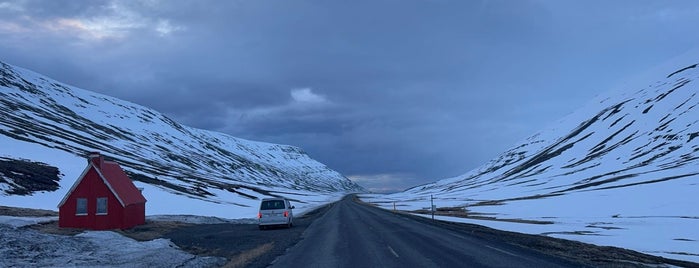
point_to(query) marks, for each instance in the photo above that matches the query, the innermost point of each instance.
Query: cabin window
(101, 206)
(81, 206)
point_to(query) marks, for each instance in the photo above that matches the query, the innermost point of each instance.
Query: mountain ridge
(532, 157)
(151, 147)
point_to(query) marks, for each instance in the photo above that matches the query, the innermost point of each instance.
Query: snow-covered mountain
(46, 121)
(648, 136)
(624, 171)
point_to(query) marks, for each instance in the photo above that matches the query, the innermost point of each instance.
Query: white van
(275, 211)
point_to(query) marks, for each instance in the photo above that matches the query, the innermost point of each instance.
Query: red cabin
(102, 198)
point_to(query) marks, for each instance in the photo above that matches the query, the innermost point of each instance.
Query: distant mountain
(622, 171)
(151, 147)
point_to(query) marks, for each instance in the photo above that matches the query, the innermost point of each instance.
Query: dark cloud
(397, 93)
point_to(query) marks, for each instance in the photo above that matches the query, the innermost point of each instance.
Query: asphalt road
(350, 233)
(353, 234)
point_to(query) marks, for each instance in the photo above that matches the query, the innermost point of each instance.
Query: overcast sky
(391, 93)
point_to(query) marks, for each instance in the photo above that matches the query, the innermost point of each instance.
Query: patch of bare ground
(461, 212)
(152, 230)
(244, 258)
(489, 203)
(603, 227)
(146, 232)
(26, 212)
(52, 228)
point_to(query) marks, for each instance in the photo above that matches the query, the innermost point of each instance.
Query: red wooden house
(102, 198)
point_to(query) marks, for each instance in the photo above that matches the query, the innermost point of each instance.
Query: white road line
(503, 251)
(393, 251)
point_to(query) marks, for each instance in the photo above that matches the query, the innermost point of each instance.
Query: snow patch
(16, 222)
(25, 247)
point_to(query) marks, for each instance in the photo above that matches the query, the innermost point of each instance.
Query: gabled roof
(116, 180)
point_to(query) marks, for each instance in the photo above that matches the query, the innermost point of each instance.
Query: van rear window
(272, 204)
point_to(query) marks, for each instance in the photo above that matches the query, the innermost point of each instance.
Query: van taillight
(259, 215)
(286, 214)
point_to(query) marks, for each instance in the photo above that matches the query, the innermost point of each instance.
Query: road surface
(353, 234)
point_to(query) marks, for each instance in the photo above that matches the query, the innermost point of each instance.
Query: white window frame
(78, 207)
(98, 206)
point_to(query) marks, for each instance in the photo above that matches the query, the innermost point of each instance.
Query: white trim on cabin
(105, 207)
(75, 185)
(109, 185)
(77, 207)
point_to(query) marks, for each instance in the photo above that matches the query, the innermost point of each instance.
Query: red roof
(120, 184)
(114, 178)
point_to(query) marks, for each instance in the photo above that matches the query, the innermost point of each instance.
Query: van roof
(274, 198)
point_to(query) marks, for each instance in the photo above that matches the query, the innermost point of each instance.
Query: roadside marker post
(432, 205)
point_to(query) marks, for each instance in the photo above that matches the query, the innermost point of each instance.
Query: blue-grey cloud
(418, 90)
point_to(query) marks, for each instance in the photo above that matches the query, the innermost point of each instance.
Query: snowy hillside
(42, 120)
(622, 171)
